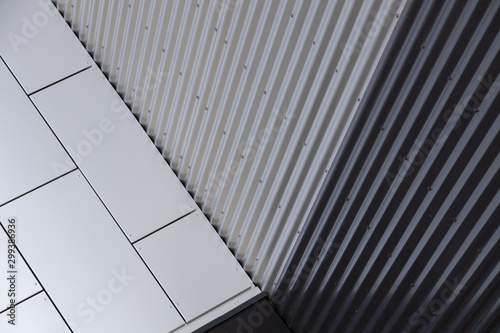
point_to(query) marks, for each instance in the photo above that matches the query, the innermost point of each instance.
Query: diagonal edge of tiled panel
(101, 150)
(91, 272)
(25, 283)
(202, 274)
(30, 150)
(37, 44)
(36, 314)
(114, 153)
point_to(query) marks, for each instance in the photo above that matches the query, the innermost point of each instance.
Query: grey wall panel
(112, 150)
(36, 44)
(25, 282)
(405, 234)
(37, 314)
(247, 100)
(84, 262)
(194, 267)
(26, 163)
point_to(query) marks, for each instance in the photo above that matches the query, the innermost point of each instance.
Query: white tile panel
(26, 284)
(36, 315)
(193, 265)
(219, 311)
(37, 44)
(29, 151)
(115, 154)
(85, 263)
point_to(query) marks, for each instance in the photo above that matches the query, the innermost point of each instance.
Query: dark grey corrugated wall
(405, 233)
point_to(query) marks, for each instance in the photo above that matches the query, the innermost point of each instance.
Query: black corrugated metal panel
(405, 233)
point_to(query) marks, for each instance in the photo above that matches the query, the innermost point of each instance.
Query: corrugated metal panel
(405, 233)
(247, 100)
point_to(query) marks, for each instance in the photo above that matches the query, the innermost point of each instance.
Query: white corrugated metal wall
(247, 100)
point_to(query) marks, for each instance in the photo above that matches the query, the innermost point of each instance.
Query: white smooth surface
(114, 153)
(219, 311)
(36, 315)
(77, 251)
(193, 265)
(29, 151)
(26, 282)
(37, 44)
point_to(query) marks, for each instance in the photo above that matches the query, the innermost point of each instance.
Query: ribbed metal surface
(247, 100)
(405, 234)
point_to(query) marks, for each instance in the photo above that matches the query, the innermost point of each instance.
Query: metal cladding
(404, 235)
(248, 101)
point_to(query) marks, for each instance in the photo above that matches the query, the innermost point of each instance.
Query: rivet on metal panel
(86, 63)
(264, 92)
(359, 99)
(326, 171)
(449, 78)
(206, 108)
(162, 50)
(412, 284)
(215, 29)
(197, 5)
(429, 189)
(279, 206)
(382, 129)
(346, 198)
(305, 144)
(368, 227)
(222, 212)
(180, 73)
(197, 97)
(245, 66)
(397, 15)
(291, 15)
(454, 220)
(225, 42)
(336, 70)
(260, 181)
(146, 27)
(314, 42)
(389, 255)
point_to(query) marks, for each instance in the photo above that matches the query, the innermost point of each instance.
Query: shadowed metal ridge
(404, 235)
